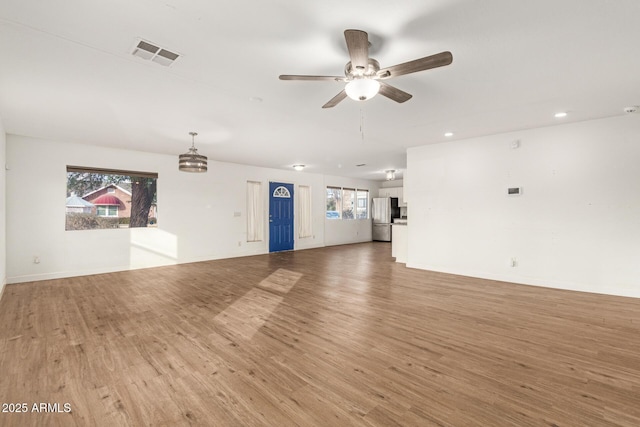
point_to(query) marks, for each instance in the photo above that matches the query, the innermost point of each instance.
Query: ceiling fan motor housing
(371, 72)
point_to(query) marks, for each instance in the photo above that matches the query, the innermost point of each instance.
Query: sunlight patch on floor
(281, 280)
(249, 313)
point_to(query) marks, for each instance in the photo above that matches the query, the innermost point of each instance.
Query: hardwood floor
(328, 337)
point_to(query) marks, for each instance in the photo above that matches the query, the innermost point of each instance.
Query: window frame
(83, 181)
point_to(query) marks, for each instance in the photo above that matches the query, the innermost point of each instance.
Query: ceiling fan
(364, 77)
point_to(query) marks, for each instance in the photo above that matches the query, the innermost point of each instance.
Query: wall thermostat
(514, 191)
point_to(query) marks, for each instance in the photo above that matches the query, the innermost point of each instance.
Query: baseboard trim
(534, 281)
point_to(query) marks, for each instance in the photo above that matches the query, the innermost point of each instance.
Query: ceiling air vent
(150, 52)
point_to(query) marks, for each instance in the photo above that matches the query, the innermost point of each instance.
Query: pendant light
(192, 161)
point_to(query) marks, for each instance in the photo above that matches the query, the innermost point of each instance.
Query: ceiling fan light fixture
(192, 161)
(391, 175)
(362, 89)
(299, 168)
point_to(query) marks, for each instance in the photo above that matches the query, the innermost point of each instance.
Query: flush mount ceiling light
(560, 115)
(299, 168)
(448, 134)
(192, 161)
(362, 89)
(391, 174)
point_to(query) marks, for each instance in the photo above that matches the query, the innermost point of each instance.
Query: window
(347, 203)
(281, 192)
(255, 215)
(304, 211)
(334, 202)
(107, 198)
(107, 210)
(362, 204)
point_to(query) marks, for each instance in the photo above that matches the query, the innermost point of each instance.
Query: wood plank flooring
(338, 336)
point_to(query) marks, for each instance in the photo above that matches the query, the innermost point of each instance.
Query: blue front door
(280, 217)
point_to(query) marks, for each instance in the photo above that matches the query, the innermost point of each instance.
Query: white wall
(339, 231)
(576, 225)
(195, 212)
(3, 210)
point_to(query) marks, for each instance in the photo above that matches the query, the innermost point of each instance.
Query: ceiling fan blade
(434, 61)
(358, 45)
(393, 93)
(336, 99)
(294, 77)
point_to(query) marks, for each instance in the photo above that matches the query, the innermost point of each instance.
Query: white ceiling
(67, 73)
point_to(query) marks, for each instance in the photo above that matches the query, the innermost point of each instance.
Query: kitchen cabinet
(393, 192)
(400, 196)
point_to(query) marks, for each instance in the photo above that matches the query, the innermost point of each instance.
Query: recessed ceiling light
(560, 115)
(298, 167)
(448, 134)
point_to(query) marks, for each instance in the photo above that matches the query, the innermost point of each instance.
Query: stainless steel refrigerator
(381, 214)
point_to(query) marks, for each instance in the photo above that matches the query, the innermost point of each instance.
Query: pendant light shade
(192, 161)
